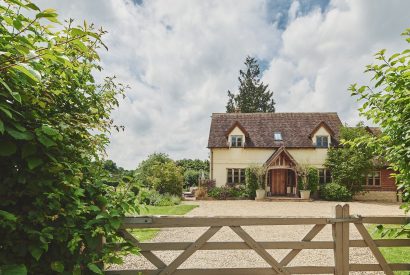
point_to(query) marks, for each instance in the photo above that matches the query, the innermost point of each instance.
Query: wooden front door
(278, 181)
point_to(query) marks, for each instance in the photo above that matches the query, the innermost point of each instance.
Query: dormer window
(277, 136)
(322, 141)
(236, 141)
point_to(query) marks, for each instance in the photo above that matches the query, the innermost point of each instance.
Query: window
(373, 178)
(236, 176)
(322, 141)
(277, 136)
(236, 141)
(324, 176)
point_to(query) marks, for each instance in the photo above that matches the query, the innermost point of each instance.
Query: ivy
(55, 205)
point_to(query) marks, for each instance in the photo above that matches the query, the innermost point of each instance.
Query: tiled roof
(295, 128)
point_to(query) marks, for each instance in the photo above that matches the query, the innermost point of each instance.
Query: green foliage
(55, 205)
(228, 192)
(193, 164)
(253, 96)
(386, 102)
(312, 179)
(191, 178)
(153, 197)
(159, 172)
(251, 183)
(335, 192)
(350, 164)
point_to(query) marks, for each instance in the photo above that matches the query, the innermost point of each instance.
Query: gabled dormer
(322, 135)
(236, 135)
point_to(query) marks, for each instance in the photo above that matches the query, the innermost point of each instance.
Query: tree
(54, 125)
(349, 164)
(386, 102)
(253, 96)
(161, 173)
(193, 164)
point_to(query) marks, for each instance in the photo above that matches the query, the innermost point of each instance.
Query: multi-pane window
(373, 178)
(236, 141)
(322, 141)
(324, 176)
(236, 176)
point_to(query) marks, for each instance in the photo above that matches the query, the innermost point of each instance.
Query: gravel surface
(248, 258)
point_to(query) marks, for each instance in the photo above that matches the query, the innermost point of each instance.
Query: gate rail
(340, 245)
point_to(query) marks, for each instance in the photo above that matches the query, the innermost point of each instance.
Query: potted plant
(305, 191)
(259, 172)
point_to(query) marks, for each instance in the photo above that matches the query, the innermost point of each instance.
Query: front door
(278, 181)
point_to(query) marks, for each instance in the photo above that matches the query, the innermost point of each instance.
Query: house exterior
(282, 142)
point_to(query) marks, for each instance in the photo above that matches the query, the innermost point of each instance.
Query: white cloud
(180, 58)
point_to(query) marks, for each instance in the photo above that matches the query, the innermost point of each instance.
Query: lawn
(392, 254)
(145, 234)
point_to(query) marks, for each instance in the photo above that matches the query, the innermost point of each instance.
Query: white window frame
(235, 144)
(322, 137)
(239, 178)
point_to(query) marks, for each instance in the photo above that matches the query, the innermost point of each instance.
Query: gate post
(340, 232)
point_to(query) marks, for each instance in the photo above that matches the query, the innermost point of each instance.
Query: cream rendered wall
(224, 158)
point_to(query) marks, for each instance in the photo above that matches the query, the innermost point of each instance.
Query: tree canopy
(350, 164)
(253, 96)
(386, 102)
(54, 119)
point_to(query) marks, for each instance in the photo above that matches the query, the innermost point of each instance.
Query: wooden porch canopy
(281, 159)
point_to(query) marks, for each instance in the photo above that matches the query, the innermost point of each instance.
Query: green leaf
(57, 266)
(49, 131)
(7, 148)
(26, 72)
(46, 141)
(33, 7)
(13, 270)
(34, 162)
(15, 95)
(1, 127)
(26, 135)
(36, 252)
(94, 268)
(8, 216)
(6, 111)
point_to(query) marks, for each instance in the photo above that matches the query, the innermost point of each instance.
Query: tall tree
(386, 101)
(253, 96)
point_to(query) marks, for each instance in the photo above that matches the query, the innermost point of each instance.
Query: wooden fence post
(346, 236)
(337, 232)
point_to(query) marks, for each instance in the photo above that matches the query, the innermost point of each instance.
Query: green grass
(392, 254)
(145, 234)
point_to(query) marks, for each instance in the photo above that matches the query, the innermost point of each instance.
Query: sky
(180, 57)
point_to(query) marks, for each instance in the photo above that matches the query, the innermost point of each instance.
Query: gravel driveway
(248, 258)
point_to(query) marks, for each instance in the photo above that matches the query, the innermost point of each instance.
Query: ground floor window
(324, 176)
(373, 178)
(235, 176)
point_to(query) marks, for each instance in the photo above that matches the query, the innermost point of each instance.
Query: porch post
(296, 183)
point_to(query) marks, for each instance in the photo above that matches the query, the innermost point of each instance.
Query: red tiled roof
(260, 127)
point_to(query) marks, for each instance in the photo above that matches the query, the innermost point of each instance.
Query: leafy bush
(208, 184)
(312, 179)
(251, 183)
(228, 192)
(201, 193)
(54, 125)
(153, 197)
(335, 192)
(159, 172)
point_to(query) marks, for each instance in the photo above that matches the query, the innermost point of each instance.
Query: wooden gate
(340, 244)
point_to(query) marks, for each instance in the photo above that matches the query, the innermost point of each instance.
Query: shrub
(228, 192)
(200, 193)
(335, 192)
(207, 184)
(153, 197)
(312, 179)
(251, 183)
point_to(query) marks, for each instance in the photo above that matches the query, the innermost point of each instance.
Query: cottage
(282, 141)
